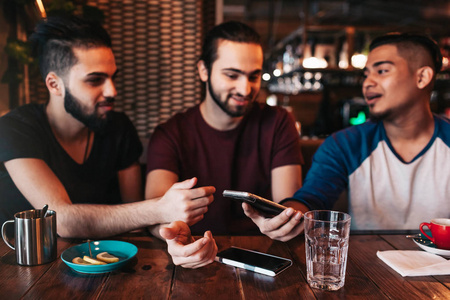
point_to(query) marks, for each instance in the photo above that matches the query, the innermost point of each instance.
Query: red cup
(440, 229)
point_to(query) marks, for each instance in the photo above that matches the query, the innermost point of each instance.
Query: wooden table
(151, 275)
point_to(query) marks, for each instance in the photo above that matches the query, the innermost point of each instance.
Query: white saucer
(427, 245)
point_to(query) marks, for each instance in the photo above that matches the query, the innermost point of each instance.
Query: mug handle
(429, 227)
(5, 238)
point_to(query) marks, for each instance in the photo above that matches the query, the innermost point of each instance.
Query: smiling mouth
(241, 100)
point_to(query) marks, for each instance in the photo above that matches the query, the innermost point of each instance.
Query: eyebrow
(382, 62)
(102, 74)
(242, 72)
(378, 63)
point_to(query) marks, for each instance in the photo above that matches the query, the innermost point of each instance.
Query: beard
(225, 106)
(92, 121)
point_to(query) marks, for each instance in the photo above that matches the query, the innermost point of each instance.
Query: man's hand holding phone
(283, 227)
(274, 220)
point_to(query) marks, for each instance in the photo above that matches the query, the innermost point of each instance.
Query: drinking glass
(326, 243)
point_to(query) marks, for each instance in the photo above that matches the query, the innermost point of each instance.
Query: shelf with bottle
(314, 57)
(307, 80)
(323, 63)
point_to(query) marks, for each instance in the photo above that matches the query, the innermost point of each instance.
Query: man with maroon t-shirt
(228, 141)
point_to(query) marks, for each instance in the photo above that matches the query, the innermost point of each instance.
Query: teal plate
(123, 250)
(427, 245)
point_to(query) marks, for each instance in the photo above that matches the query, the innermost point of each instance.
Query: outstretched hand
(185, 203)
(287, 225)
(184, 249)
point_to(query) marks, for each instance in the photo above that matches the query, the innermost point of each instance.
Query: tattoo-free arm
(189, 209)
(40, 186)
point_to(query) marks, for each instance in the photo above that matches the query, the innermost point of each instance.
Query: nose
(244, 86)
(110, 89)
(368, 81)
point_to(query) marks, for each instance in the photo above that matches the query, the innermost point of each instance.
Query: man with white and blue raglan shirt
(396, 166)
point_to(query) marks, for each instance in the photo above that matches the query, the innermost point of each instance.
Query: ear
(54, 84)
(424, 76)
(202, 70)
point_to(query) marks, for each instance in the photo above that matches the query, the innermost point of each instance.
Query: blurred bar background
(314, 52)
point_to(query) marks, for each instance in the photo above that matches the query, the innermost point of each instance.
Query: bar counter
(152, 275)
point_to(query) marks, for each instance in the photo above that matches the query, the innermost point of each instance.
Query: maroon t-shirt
(238, 159)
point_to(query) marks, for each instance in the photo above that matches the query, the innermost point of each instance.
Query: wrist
(154, 211)
(294, 203)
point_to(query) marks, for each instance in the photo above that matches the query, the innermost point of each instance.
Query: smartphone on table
(255, 261)
(259, 203)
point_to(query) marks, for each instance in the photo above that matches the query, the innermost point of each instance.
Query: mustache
(107, 101)
(243, 98)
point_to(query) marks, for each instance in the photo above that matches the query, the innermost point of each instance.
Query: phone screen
(254, 261)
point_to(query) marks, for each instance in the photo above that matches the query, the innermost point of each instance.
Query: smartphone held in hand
(259, 203)
(258, 262)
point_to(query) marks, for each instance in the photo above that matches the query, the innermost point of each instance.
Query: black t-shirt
(26, 133)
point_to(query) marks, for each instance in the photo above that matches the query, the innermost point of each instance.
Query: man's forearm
(97, 221)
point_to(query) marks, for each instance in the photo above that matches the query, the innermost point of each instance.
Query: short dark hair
(409, 40)
(231, 31)
(53, 40)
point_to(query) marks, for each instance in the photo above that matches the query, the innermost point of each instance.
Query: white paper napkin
(415, 263)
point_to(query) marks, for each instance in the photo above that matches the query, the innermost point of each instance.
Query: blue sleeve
(335, 160)
(326, 179)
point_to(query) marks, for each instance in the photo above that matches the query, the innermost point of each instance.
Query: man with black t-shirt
(75, 153)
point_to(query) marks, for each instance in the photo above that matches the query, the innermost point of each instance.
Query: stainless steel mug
(35, 237)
